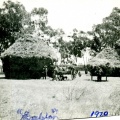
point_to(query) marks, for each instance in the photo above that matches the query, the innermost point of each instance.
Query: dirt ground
(73, 99)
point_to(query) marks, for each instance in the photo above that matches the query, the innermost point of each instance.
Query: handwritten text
(99, 114)
(26, 115)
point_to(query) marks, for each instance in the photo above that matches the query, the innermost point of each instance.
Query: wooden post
(45, 72)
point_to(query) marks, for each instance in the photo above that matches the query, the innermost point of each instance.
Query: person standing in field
(72, 73)
(45, 72)
(79, 73)
(108, 70)
(55, 73)
(100, 71)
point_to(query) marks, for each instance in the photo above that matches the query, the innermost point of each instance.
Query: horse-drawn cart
(61, 73)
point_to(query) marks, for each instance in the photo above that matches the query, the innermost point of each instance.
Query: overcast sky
(70, 14)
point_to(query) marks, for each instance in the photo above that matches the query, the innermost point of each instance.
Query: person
(72, 73)
(55, 73)
(79, 73)
(100, 71)
(108, 70)
(86, 71)
(45, 71)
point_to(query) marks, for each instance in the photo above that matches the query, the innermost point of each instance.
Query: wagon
(63, 71)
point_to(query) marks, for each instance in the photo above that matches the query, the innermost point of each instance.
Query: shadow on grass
(3, 78)
(95, 80)
(100, 81)
(17, 79)
(62, 80)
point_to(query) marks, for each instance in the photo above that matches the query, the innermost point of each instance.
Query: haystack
(27, 57)
(107, 56)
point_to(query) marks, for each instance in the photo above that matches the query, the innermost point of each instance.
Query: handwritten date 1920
(99, 114)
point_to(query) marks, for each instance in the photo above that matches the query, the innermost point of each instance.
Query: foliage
(75, 47)
(112, 23)
(25, 23)
(42, 20)
(79, 43)
(15, 21)
(12, 18)
(108, 32)
(96, 44)
(49, 31)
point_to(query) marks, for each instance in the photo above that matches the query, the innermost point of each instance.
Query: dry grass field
(73, 99)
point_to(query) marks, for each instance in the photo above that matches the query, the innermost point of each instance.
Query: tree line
(15, 21)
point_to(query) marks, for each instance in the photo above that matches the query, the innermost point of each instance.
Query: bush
(25, 68)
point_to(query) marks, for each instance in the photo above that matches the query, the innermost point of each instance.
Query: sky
(70, 14)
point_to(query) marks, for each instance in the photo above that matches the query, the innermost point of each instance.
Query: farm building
(108, 60)
(26, 58)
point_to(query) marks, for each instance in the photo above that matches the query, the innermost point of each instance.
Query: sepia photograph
(59, 59)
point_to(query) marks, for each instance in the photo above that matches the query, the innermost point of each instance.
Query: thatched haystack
(27, 57)
(108, 60)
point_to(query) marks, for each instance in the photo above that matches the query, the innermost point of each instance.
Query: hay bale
(107, 56)
(27, 57)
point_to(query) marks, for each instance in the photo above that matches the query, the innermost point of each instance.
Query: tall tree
(40, 15)
(12, 16)
(112, 23)
(79, 42)
(108, 32)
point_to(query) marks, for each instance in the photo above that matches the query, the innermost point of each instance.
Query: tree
(79, 43)
(96, 44)
(63, 48)
(40, 15)
(49, 31)
(12, 17)
(112, 23)
(108, 32)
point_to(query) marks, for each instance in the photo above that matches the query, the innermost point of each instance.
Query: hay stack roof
(108, 55)
(29, 46)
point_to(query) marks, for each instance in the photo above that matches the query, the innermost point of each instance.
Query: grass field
(73, 99)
